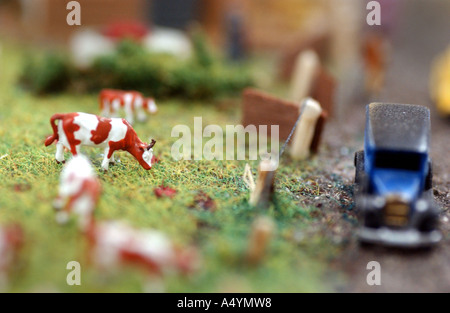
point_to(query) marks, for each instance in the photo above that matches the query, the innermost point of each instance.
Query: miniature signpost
(260, 108)
(304, 132)
(311, 79)
(261, 192)
(306, 70)
(259, 239)
(317, 138)
(305, 138)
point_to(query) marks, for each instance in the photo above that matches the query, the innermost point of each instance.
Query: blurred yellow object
(440, 83)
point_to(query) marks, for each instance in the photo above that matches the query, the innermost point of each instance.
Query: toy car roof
(398, 126)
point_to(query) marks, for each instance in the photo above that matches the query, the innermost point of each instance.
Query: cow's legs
(58, 203)
(84, 221)
(141, 116)
(106, 108)
(114, 108)
(75, 150)
(112, 160)
(106, 159)
(85, 213)
(62, 217)
(129, 114)
(59, 155)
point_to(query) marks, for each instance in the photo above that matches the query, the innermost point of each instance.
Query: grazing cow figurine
(81, 129)
(132, 102)
(11, 241)
(79, 192)
(113, 243)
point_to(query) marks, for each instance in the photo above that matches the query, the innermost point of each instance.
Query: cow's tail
(55, 136)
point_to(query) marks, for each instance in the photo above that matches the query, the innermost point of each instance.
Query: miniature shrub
(202, 54)
(192, 82)
(131, 67)
(47, 73)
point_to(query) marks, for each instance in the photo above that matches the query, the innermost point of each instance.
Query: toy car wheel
(429, 178)
(366, 244)
(359, 167)
(429, 223)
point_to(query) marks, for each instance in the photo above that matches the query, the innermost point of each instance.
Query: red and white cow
(81, 129)
(79, 192)
(11, 241)
(132, 102)
(113, 244)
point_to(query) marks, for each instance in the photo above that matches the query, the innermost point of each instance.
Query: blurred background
(257, 25)
(200, 49)
(236, 30)
(268, 24)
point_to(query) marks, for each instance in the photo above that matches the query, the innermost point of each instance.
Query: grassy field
(30, 176)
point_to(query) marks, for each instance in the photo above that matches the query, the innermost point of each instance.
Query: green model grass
(29, 183)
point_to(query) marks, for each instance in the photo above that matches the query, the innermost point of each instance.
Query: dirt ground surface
(420, 35)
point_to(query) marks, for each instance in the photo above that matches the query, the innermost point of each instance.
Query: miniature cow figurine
(81, 129)
(132, 102)
(79, 192)
(113, 243)
(11, 241)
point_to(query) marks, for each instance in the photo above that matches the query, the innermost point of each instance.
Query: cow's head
(150, 105)
(144, 153)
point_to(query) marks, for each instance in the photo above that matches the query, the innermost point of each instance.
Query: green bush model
(203, 76)
(48, 73)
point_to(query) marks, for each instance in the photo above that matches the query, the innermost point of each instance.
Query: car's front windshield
(409, 161)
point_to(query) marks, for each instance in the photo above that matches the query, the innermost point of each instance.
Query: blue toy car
(393, 179)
